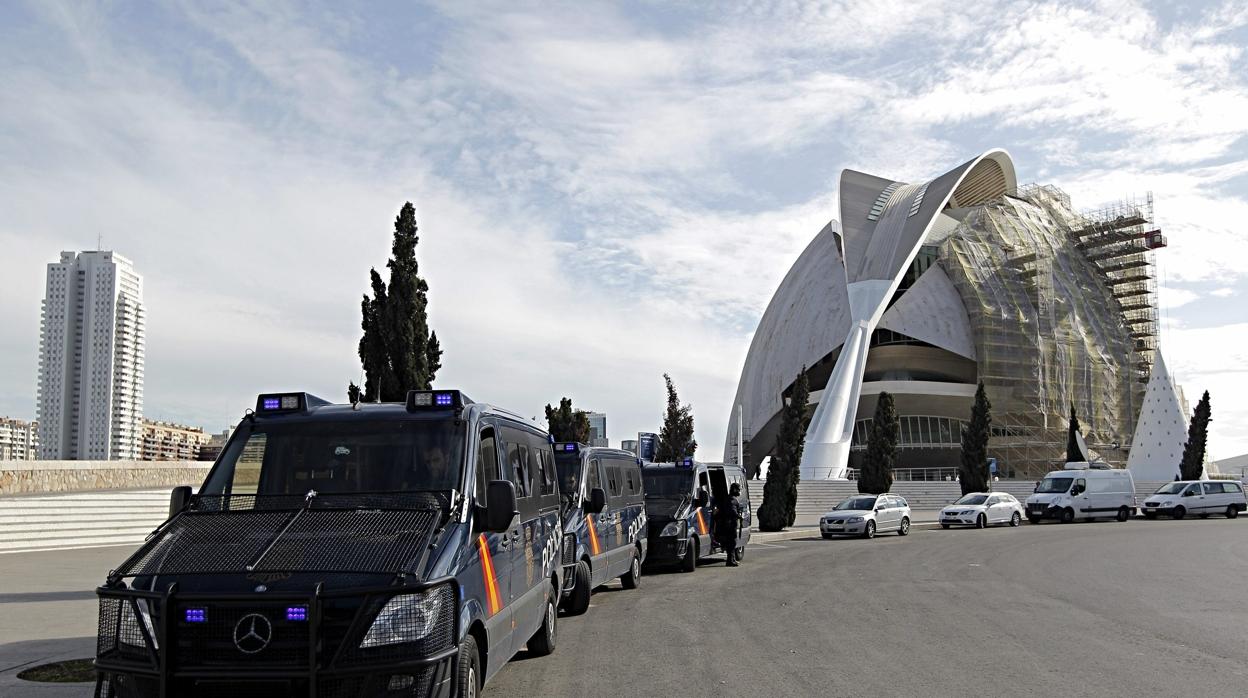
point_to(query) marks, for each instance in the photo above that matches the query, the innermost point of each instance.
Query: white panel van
(1083, 491)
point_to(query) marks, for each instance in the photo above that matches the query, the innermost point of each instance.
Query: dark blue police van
(344, 550)
(680, 501)
(604, 520)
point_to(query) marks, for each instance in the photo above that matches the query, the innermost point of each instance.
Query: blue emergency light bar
(196, 615)
(686, 463)
(276, 403)
(418, 400)
(566, 447)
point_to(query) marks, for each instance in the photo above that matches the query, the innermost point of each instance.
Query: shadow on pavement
(17, 656)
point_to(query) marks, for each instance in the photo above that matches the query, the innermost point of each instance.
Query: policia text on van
(338, 550)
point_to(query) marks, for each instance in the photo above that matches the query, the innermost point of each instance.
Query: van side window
(487, 461)
(592, 478)
(1232, 487)
(613, 480)
(630, 479)
(543, 468)
(517, 458)
(1213, 488)
(1192, 491)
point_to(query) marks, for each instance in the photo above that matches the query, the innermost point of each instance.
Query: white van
(1202, 498)
(1083, 491)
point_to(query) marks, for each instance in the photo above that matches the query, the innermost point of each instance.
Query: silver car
(983, 509)
(865, 515)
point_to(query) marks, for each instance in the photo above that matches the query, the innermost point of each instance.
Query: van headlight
(409, 618)
(675, 528)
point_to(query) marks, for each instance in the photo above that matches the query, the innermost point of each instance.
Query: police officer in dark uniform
(728, 515)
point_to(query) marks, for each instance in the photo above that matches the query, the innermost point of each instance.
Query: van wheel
(690, 562)
(468, 678)
(632, 578)
(981, 521)
(543, 641)
(1232, 512)
(905, 526)
(1068, 515)
(1123, 513)
(1015, 519)
(869, 530)
(578, 601)
(740, 553)
(1179, 512)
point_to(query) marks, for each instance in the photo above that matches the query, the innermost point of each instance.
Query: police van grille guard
(324, 650)
(224, 534)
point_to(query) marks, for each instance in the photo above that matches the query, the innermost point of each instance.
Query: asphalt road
(1104, 609)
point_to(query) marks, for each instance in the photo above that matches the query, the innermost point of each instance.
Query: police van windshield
(1054, 485)
(569, 467)
(667, 482)
(342, 457)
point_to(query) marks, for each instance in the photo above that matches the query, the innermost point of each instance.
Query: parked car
(983, 509)
(1083, 491)
(1202, 498)
(865, 515)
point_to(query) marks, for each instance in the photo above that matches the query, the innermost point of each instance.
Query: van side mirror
(597, 501)
(178, 499)
(500, 505)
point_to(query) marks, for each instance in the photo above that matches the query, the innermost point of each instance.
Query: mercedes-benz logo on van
(252, 633)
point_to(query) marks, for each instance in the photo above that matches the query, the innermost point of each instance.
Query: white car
(865, 515)
(1182, 497)
(983, 509)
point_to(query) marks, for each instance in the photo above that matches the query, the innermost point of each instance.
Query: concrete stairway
(80, 519)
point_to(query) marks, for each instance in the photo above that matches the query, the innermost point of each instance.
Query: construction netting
(1063, 309)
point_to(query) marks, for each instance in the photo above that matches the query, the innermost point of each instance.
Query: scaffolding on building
(1063, 308)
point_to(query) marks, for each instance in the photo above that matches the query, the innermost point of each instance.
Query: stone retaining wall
(29, 477)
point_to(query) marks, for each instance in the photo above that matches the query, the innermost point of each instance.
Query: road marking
(768, 545)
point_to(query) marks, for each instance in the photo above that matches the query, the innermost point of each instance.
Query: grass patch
(68, 671)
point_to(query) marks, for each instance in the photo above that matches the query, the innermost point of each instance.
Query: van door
(1082, 502)
(612, 518)
(1215, 501)
(595, 526)
(494, 552)
(1193, 499)
(526, 594)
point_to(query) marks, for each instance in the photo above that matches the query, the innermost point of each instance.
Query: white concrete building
(19, 440)
(91, 359)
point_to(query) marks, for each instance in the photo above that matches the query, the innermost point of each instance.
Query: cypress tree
(779, 507)
(397, 349)
(1193, 464)
(877, 465)
(567, 424)
(1074, 454)
(676, 437)
(973, 470)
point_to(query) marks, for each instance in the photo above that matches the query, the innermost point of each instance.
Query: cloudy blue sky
(649, 169)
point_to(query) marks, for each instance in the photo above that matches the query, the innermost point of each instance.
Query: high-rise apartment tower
(91, 359)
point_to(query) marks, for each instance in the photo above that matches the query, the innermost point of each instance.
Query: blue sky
(650, 170)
